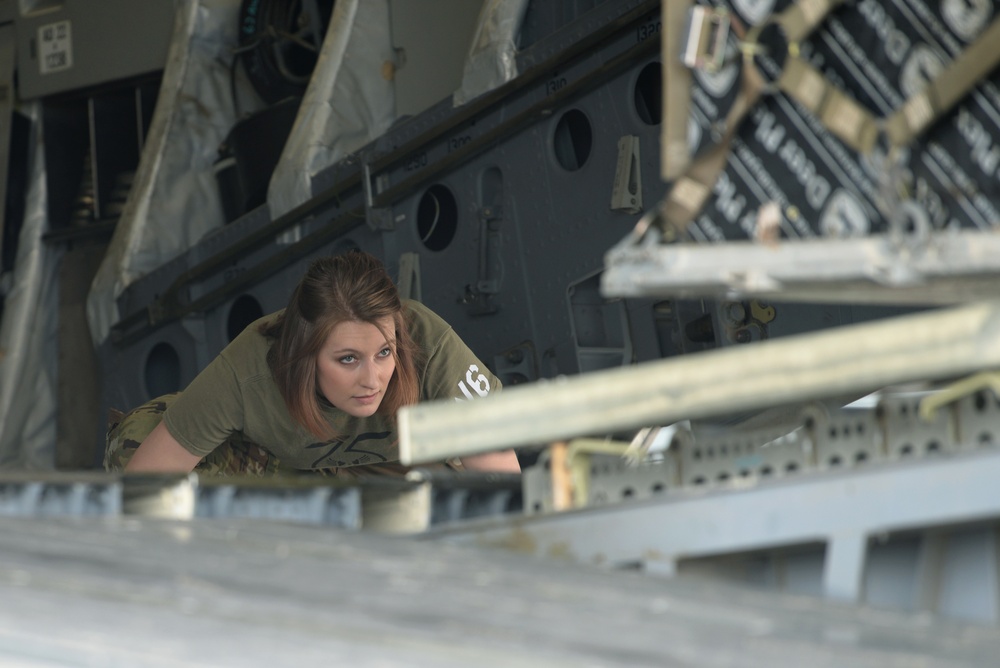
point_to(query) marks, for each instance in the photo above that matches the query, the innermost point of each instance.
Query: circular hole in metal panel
(648, 95)
(245, 309)
(573, 140)
(437, 218)
(162, 370)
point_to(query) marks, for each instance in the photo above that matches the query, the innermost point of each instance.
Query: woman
(316, 386)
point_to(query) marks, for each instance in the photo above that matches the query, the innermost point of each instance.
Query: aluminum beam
(937, 268)
(834, 362)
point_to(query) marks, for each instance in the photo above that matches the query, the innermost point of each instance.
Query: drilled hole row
(657, 487)
(846, 430)
(724, 450)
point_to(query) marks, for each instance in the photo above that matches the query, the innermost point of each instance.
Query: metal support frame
(843, 510)
(813, 439)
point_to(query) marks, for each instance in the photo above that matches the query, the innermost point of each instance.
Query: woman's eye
(347, 359)
(385, 352)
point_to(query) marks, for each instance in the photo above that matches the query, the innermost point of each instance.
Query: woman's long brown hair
(350, 287)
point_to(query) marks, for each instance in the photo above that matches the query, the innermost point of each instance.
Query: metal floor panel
(128, 592)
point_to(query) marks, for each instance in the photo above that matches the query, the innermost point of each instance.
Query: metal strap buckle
(705, 35)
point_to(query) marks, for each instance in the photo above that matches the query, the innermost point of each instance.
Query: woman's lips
(367, 399)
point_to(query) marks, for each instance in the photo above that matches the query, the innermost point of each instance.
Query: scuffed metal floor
(213, 592)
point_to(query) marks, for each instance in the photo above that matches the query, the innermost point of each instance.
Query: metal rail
(934, 268)
(382, 504)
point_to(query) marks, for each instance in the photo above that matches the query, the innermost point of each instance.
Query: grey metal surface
(432, 43)
(231, 593)
(103, 41)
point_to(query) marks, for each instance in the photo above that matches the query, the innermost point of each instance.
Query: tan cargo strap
(837, 111)
(800, 19)
(690, 192)
(858, 127)
(691, 189)
(947, 88)
(674, 152)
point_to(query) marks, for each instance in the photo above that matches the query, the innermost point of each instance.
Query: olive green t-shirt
(237, 393)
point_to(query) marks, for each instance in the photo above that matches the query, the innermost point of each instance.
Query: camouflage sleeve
(127, 431)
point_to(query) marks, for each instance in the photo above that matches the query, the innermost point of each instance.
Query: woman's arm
(500, 462)
(161, 453)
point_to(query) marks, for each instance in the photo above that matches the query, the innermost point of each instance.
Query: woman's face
(355, 364)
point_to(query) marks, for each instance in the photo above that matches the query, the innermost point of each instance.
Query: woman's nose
(369, 375)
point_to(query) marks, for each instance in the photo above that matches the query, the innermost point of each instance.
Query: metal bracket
(704, 45)
(479, 297)
(409, 276)
(626, 193)
(378, 218)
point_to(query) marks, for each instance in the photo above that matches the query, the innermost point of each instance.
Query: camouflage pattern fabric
(236, 455)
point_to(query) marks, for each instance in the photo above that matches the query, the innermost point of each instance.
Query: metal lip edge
(878, 263)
